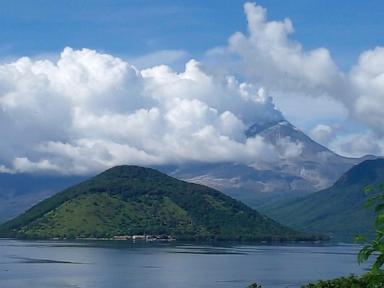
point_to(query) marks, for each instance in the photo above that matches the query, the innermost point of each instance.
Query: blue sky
(131, 28)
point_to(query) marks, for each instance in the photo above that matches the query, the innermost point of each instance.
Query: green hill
(129, 200)
(338, 210)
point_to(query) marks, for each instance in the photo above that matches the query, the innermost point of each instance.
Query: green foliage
(366, 281)
(346, 282)
(128, 200)
(338, 210)
(375, 248)
(100, 215)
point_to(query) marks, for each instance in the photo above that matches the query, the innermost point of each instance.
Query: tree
(375, 248)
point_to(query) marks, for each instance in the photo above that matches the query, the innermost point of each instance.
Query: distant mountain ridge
(128, 200)
(315, 168)
(338, 210)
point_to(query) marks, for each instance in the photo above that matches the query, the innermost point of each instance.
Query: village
(146, 238)
(133, 238)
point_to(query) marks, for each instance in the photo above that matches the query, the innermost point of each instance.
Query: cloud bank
(88, 111)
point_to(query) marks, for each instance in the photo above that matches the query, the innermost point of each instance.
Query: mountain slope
(128, 200)
(315, 168)
(338, 210)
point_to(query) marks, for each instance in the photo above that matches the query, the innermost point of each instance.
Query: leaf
(379, 234)
(365, 253)
(378, 263)
(359, 238)
(369, 203)
(379, 219)
(376, 247)
(367, 189)
(379, 207)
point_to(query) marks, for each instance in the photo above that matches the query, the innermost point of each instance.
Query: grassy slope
(130, 200)
(338, 210)
(88, 215)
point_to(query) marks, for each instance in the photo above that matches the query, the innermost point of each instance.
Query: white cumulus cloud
(267, 55)
(367, 80)
(88, 111)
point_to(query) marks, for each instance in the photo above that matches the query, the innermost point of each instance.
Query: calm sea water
(48, 264)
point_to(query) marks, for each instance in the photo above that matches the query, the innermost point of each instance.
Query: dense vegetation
(338, 210)
(365, 281)
(352, 281)
(129, 200)
(375, 248)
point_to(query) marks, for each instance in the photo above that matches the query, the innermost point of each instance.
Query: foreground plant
(254, 285)
(375, 248)
(343, 282)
